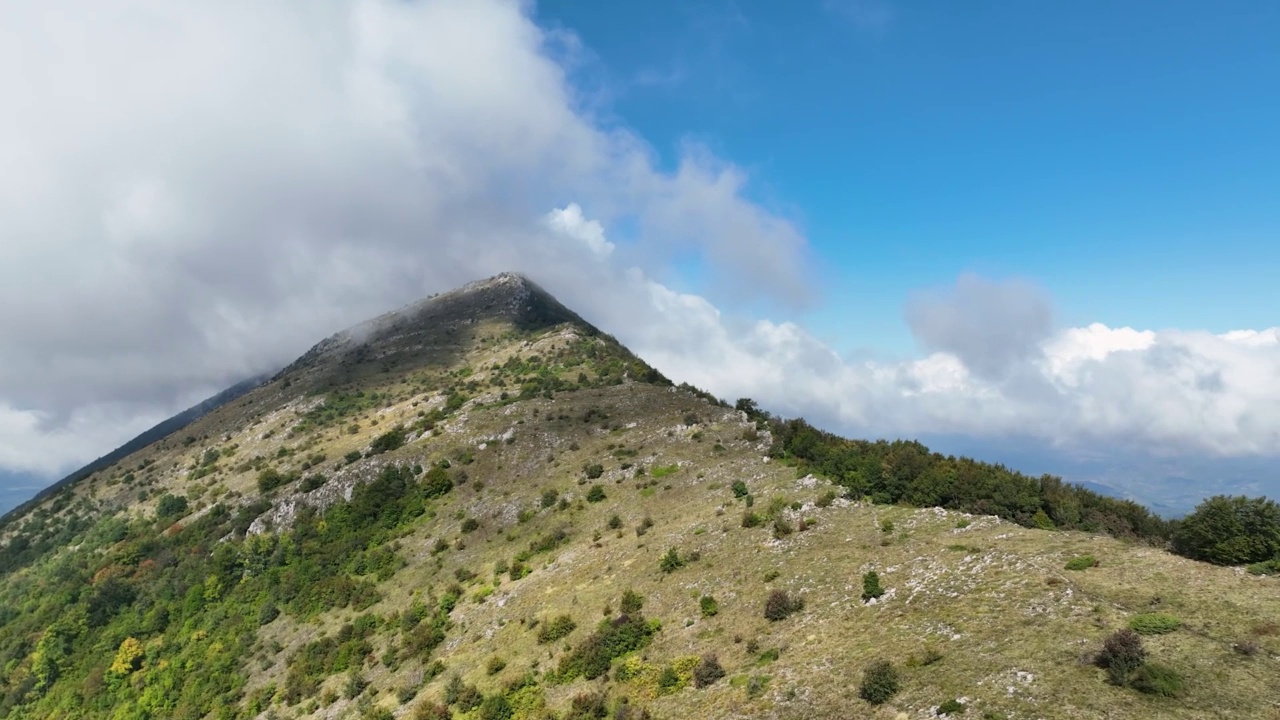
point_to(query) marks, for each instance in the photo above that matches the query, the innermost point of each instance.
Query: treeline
(1222, 530)
(907, 472)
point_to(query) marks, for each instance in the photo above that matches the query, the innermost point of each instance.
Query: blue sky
(1124, 156)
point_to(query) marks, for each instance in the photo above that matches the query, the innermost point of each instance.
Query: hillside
(480, 506)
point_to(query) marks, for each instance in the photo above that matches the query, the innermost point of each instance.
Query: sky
(1010, 229)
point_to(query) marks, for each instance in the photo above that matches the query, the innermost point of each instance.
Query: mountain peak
(438, 327)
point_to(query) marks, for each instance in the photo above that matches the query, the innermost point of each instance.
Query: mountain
(482, 507)
(160, 431)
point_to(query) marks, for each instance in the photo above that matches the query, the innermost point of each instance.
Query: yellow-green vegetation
(484, 509)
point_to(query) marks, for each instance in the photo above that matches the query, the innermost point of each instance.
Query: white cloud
(192, 193)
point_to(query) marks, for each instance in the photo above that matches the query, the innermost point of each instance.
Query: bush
(750, 519)
(631, 603)
(388, 441)
(270, 479)
(1082, 562)
(596, 494)
(1230, 531)
(495, 665)
(739, 489)
(1154, 623)
(171, 506)
(612, 639)
(707, 671)
(1270, 567)
(1122, 653)
(556, 629)
(549, 498)
(470, 525)
(879, 682)
(432, 711)
(671, 561)
(495, 707)
(593, 471)
(951, 707)
(779, 605)
(709, 606)
(615, 522)
(1156, 679)
(871, 588)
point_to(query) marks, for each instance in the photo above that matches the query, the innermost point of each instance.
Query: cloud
(193, 193)
(990, 327)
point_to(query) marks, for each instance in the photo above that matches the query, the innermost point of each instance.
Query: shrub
(709, 606)
(1154, 623)
(879, 682)
(495, 665)
(1122, 653)
(826, 499)
(171, 506)
(707, 671)
(354, 686)
(556, 629)
(951, 707)
(593, 471)
(270, 479)
(495, 707)
(612, 639)
(1230, 531)
(588, 706)
(596, 494)
(750, 519)
(549, 498)
(671, 561)
(782, 528)
(1270, 567)
(780, 604)
(388, 441)
(1157, 679)
(1082, 562)
(615, 522)
(644, 526)
(631, 602)
(432, 711)
(470, 525)
(871, 588)
(352, 456)
(739, 489)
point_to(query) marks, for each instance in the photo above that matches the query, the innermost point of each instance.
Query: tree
(1230, 531)
(671, 561)
(128, 657)
(871, 586)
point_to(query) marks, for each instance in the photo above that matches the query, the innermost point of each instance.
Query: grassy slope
(1011, 624)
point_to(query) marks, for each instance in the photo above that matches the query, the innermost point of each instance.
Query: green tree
(871, 588)
(1230, 531)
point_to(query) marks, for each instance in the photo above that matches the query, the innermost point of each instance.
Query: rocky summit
(482, 507)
